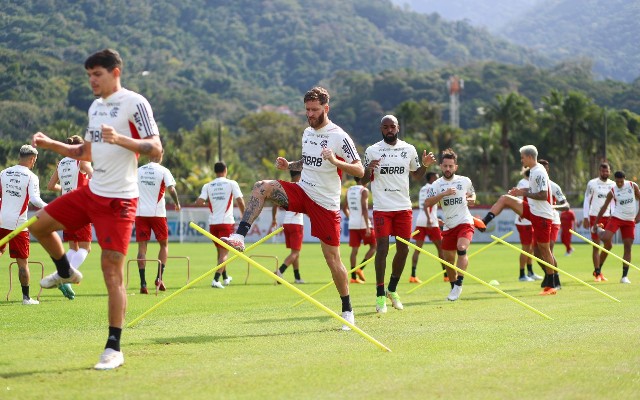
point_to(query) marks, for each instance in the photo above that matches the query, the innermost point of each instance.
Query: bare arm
(283, 164)
(240, 204)
(471, 200)
(200, 201)
(427, 160)
(524, 192)
(368, 172)
(562, 206)
(603, 208)
(432, 201)
(149, 146)
(364, 205)
(53, 182)
(345, 208)
(174, 197)
(85, 166)
(80, 152)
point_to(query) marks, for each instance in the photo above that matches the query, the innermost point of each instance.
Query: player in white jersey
(388, 165)
(121, 126)
(293, 227)
(428, 225)
(625, 216)
(69, 175)
(525, 231)
(594, 197)
(537, 209)
(151, 216)
(455, 194)
(19, 187)
(220, 194)
(327, 152)
(356, 208)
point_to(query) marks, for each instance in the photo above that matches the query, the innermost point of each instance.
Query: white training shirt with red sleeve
(422, 220)
(539, 181)
(114, 167)
(320, 179)
(625, 201)
(390, 181)
(220, 193)
(354, 200)
(20, 187)
(455, 207)
(70, 175)
(595, 195)
(522, 184)
(557, 197)
(153, 180)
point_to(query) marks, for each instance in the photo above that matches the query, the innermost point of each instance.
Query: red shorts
(450, 236)
(541, 226)
(526, 234)
(357, 236)
(555, 229)
(144, 226)
(325, 224)
(18, 246)
(221, 230)
(393, 223)
(79, 235)
(592, 220)
(293, 234)
(112, 218)
(627, 228)
(434, 233)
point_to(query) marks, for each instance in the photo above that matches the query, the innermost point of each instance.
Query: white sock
(70, 254)
(79, 258)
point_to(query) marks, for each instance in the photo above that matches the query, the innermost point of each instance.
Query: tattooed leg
(264, 190)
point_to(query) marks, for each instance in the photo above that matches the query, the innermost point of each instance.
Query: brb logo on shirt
(391, 170)
(452, 202)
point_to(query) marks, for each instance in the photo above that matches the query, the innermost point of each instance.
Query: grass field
(247, 341)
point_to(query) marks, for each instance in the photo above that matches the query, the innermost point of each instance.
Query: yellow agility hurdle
(19, 229)
(603, 249)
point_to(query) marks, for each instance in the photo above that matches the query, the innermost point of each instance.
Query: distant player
(428, 225)
(455, 194)
(221, 194)
(525, 231)
(356, 208)
(20, 187)
(69, 175)
(594, 197)
(153, 181)
(624, 217)
(567, 222)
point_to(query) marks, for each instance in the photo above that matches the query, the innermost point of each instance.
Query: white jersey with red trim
(20, 187)
(390, 181)
(625, 201)
(422, 220)
(557, 197)
(354, 200)
(220, 193)
(114, 167)
(595, 195)
(320, 179)
(153, 180)
(70, 175)
(454, 207)
(539, 181)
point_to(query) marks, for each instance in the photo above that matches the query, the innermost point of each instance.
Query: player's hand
(328, 155)
(515, 192)
(39, 139)
(449, 192)
(585, 223)
(471, 201)
(109, 134)
(367, 231)
(373, 165)
(282, 163)
(428, 159)
(177, 207)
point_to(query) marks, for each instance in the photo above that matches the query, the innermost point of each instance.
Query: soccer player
(536, 209)
(69, 175)
(293, 225)
(327, 152)
(594, 197)
(428, 225)
(20, 187)
(356, 208)
(121, 126)
(567, 221)
(153, 180)
(221, 193)
(624, 217)
(455, 194)
(388, 165)
(525, 231)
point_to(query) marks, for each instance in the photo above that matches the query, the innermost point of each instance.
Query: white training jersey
(220, 193)
(114, 167)
(625, 200)
(291, 217)
(454, 207)
(539, 181)
(153, 180)
(70, 175)
(20, 187)
(595, 196)
(354, 200)
(390, 181)
(432, 221)
(522, 184)
(320, 179)
(556, 197)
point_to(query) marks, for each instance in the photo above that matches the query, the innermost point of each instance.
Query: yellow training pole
(201, 277)
(466, 273)
(480, 250)
(603, 249)
(350, 271)
(17, 231)
(541, 261)
(290, 286)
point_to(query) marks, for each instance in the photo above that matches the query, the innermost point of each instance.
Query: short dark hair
(619, 175)
(430, 175)
(107, 58)
(293, 173)
(357, 179)
(317, 93)
(219, 167)
(449, 154)
(75, 139)
(527, 172)
(544, 162)
(605, 164)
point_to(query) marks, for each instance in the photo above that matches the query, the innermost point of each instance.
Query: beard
(316, 122)
(390, 139)
(447, 174)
